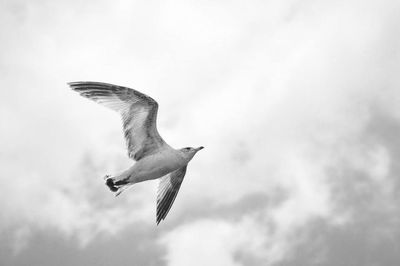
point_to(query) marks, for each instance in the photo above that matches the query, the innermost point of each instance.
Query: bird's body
(154, 157)
(153, 166)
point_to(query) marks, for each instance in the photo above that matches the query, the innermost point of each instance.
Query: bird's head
(189, 152)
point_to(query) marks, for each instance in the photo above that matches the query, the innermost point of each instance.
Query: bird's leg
(122, 185)
(122, 182)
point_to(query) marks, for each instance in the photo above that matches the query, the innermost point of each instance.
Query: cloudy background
(297, 103)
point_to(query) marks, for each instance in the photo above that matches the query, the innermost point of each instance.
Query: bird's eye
(187, 148)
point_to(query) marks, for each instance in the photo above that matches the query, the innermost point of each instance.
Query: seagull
(154, 158)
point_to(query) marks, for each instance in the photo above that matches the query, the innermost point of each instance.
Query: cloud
(295, 102)
(312, 128)
(216, 242)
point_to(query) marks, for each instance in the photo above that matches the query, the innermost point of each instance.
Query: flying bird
(155, 159)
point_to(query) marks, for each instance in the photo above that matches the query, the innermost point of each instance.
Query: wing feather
(168, 188)
(138, 111)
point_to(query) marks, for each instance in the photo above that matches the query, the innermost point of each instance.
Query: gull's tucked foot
(110, 184)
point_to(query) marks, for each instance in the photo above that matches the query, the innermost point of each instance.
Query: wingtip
(73, 84)
(79, 85)
(159, 219)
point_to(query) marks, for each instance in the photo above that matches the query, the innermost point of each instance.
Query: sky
(296, 103)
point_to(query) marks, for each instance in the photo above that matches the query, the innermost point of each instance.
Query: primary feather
(138, 111)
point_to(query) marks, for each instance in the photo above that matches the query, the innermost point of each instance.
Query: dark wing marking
(138, 111)
(167, 190)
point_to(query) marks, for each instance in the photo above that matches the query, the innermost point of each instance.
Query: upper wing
(139, 114)
(167, 190)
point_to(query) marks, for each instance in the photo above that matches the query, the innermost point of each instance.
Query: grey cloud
(371, 236)
(280, 93)
(135, 246)
(354, 244)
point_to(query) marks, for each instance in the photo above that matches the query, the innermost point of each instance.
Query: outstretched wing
(139, 115)
(167, 190)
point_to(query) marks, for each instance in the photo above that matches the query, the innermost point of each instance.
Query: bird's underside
(139, 115)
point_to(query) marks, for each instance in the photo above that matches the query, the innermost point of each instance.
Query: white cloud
(279, 93)
(305, 111)
(212, 242)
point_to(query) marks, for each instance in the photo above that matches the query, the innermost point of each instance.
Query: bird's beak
(199, 148)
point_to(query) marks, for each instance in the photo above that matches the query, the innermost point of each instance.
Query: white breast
(156, 166)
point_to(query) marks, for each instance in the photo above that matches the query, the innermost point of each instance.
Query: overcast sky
(296, 102)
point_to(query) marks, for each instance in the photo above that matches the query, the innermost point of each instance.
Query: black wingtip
(158, 218)
(74, 84)
(86, 83)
